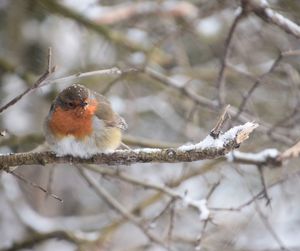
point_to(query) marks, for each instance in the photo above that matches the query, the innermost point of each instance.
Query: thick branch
(209, 148)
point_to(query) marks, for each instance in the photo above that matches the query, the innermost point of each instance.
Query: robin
(81, 123)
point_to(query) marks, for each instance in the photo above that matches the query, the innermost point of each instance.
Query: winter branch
(261, 9)
(209, 148)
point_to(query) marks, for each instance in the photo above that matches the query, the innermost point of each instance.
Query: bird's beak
(83, 104)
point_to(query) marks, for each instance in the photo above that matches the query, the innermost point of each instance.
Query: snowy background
(184, 41)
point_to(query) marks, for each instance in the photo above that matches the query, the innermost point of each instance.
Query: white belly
(69, 145)
(103, 140)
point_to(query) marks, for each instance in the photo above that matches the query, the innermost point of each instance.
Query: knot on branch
(171, 154)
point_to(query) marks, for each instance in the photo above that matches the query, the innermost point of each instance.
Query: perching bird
(82, 122)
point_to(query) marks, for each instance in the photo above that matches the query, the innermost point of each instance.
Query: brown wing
(106, 113)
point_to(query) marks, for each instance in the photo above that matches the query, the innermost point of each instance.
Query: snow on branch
(261, 9)
(266, 157)
(209, 148)
(262, 158)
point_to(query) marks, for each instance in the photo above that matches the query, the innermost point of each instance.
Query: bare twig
(201, 236)
(136, 181)
(122, 12)
(261, 9)
(172, 184)
(213, 189)
(39, 82)
(263, 182)
(256, 84)
(221, 77)
(257, 195)
(171, 225)
(111, 71)
(50, 179)
(163, 211)
(101, 192)
(209, 219)
(42, 224)
(26, 181)
(210, 104)
(217, 129)
(269, 227)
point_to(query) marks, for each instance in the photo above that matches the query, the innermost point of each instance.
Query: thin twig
(261, 9)
(256, 84)
(172, 184)
(136, 181)
(111, 71)
(213, 189)
(209, 219)
(269, 227)
(163, 211)
(50, 178)
(210, 104)
(263, 182)
(171, 225)
(221, 77)
(38, 83)
(26, 181)
(217, 129)
(258, 195)
(201, 235)
(101, 192)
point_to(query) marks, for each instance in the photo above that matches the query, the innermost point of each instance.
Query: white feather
(83, 148)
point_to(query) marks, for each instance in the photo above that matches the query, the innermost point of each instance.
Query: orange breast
(77, 122)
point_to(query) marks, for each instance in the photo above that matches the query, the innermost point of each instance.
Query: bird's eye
(70, 104)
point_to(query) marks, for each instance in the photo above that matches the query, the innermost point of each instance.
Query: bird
(81, 123)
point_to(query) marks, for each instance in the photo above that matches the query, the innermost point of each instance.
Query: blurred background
(175, 98)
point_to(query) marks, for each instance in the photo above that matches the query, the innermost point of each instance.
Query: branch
(263, 158)
(256, 84)
(261, 9)
(270, 156)
(40, 81)
(123, 12)
(215, 132)
(152, 199)
(199, 205)
(221, 77)
(110, 71)
(292, 152)
(212, 105)
(112, 35)
(209, 148)
(110, 200)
